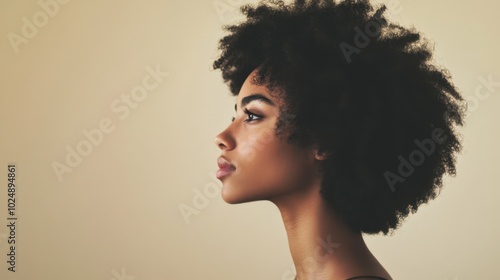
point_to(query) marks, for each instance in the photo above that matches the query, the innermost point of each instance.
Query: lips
(225, 167)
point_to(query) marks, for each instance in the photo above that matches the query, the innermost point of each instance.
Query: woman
(342, 121)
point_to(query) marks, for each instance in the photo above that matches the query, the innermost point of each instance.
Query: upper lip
(224, 164)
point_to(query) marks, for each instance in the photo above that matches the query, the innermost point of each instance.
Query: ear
(320, 155)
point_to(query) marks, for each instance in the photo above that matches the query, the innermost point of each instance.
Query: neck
(321, 244)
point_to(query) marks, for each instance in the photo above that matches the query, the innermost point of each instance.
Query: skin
(268, 168)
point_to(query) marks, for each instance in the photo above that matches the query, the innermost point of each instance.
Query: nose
(224, 140)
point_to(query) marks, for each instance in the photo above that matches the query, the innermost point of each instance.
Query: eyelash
(248, 113)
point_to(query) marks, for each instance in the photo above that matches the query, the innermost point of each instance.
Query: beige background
(116, 215)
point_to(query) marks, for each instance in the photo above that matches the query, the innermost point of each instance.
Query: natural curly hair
(361, 89)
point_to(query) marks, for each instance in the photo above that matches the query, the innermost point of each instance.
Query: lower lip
(223, 172)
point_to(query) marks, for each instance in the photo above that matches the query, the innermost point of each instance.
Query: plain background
(117, 213)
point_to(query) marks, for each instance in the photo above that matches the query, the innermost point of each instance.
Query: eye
(251, 116)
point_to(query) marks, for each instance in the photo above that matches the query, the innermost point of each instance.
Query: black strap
(358, 277)
(373, 277)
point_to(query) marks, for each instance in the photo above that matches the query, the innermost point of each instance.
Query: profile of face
(256, 164)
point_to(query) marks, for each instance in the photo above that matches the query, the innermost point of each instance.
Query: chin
(231, 197)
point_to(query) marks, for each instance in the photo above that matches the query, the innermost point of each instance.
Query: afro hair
(362, 89)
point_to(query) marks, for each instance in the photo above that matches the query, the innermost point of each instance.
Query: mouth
(225, 168)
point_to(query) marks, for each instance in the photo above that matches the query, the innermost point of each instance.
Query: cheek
(272, 169)
(285, 170)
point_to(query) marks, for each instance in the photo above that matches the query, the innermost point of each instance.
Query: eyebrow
(253, 97)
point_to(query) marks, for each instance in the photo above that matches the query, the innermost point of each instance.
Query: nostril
(222, 146)
(219, 143)
(224, 140)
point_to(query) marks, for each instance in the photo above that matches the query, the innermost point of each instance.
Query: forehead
(250, 85)
(251, 91)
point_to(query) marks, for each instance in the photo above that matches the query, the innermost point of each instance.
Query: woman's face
(255, 164)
